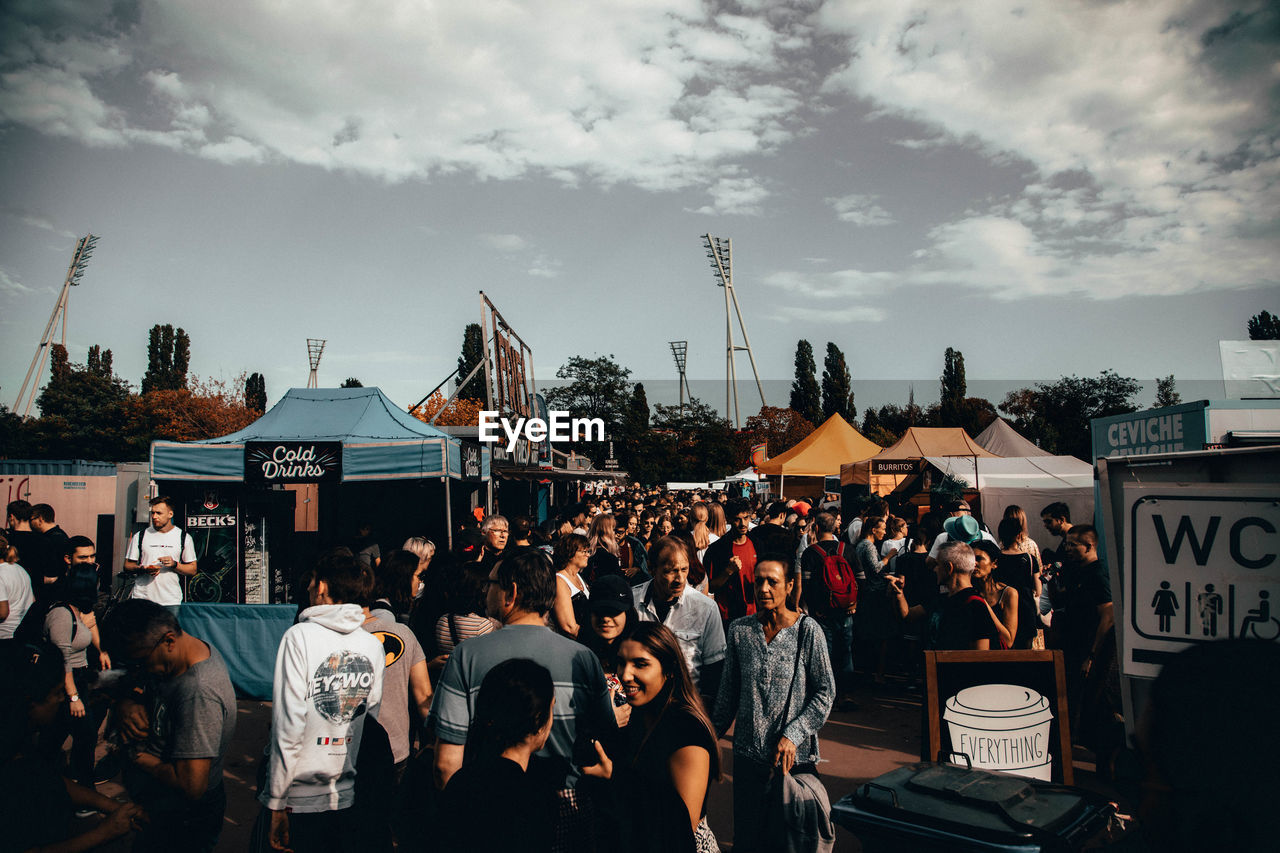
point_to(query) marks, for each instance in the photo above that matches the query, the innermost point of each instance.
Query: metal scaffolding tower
(679, 349)
(31, 383)
(315, 347)
(720, 252)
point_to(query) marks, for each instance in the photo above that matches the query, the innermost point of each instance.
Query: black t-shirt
(962, 620)
(919, 582)
(1018, 571)
(1084, 588)
(490, 804)
(658, 818)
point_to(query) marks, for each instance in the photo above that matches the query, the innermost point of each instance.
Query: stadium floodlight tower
(720, 252)
(679, 349)
(31, 383)
(315, 347)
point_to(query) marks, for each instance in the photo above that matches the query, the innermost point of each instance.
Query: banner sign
(896, 466)
(470, 461)
(293, 461)
(759, 454)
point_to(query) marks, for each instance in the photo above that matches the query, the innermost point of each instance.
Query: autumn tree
(780, 429)
(472, 354)
(168, 356)
(837, 386)
(255, 393)
(208, 408)
(1264, 326)
(461, 412)
(806, 398)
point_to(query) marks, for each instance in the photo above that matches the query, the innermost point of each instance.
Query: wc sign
(1203, 565)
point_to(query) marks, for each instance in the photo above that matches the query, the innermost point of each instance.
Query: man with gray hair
(961, 620)
(495, 529)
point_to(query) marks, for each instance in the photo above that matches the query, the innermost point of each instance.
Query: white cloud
(848, 314)
(41, 222)
(1155, 173)
(10, 285)
(861, 210)
(648, 92)
(735, 195)
(505, 242)
(545, 267)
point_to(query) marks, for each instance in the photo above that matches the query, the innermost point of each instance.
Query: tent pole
(448, 512)
(782, 479)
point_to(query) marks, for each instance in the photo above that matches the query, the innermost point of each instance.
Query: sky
(1052, 187)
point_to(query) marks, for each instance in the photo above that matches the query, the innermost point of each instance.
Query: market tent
(1003, 440)
(1031, 482)
(916, 443)
(820, 454)
(379, 440)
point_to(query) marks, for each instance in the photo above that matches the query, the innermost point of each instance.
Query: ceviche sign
(293, 461)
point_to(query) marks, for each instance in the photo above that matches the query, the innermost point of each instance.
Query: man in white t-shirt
(15, 593)
(158, 555)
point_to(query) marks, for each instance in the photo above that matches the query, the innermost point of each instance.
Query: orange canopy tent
(916, 443)
(820, 454)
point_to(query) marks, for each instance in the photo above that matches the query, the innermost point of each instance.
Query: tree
(693, 444)
(952, 388)
(780, 429)
(255, 393)
(837, 387)
(168, 356)
(85, 413)
(806, 399)
(1056, 416)
(461, 412)
(472, 354)
(1264, 327)
(1166, 392)
(351, 382)
(594, 388)
(209, 408)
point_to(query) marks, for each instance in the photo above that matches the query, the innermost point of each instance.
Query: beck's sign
(293, 462)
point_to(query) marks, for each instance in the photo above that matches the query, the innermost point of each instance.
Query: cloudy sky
(1051, 186)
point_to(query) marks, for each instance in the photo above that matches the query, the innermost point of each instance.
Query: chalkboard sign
(1005, 710)
(292, 462)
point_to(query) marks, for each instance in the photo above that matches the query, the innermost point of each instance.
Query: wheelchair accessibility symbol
(1258, 623)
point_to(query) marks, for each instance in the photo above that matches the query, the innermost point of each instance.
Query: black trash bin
(941, 808)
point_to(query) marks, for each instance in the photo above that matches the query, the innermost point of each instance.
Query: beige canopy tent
(821, 454)
(1003, 440)
(917, 443)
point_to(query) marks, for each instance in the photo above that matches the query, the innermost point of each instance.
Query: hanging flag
(759, 453)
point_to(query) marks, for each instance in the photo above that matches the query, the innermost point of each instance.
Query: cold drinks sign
(293, 461)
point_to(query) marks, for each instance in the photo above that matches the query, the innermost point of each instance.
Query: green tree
(806, 398)
(86, 413)
(837, 386)
(1167, 392)
(472, 354)
(351, 382)
(635, 425)
(696, 444)
(952, 388)
(1056, 415)
(168, 357)
(593, 388)
(1264, 327)
(255, 393)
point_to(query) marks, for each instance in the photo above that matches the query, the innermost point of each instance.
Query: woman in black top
(670, 757)
(493, 802)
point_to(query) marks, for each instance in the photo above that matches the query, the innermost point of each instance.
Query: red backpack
(837, 574)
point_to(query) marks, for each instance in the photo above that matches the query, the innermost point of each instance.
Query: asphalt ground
(856, 746)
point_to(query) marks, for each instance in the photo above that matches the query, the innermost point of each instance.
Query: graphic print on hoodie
(328, 676)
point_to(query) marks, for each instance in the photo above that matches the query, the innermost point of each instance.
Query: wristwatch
(74, 697)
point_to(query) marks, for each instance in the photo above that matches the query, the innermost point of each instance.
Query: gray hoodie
(328, 676)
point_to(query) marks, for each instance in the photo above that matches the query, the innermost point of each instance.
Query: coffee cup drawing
(1002, 727)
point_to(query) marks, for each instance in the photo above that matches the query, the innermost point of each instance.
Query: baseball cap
(611, 595)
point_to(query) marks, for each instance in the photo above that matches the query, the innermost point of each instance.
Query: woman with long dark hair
(1000, 597)
(670, 757)
(492, 802)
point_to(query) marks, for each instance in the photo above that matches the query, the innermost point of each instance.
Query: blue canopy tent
(348, 455)
(379, 440)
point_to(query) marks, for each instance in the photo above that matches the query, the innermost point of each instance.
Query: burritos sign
(293, 462)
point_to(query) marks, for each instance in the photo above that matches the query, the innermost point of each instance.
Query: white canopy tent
(1031, 482)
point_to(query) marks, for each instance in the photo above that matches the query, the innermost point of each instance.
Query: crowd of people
(535, 687)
